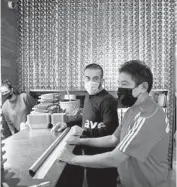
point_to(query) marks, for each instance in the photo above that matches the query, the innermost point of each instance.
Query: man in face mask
(93, 80)
(141, 140)
(128, 91)
(99, 119)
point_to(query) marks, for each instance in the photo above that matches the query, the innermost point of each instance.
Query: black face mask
(8, 95)
(125, 97)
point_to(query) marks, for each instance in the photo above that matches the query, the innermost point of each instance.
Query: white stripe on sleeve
(134, 135)
(130, 133)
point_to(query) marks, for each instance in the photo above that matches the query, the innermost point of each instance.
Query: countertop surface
(22, 150)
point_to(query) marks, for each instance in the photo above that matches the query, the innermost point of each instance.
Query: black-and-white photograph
(88, 93)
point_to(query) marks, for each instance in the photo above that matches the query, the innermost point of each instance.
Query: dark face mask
(125, 97)
(8, 95)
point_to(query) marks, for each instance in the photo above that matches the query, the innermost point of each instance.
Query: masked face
(6, 92)
(92, 87)
(8, 95)
(125, 97)
(128, 92)
(92, 81)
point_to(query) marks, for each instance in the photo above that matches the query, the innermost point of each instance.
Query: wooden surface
(22, 150)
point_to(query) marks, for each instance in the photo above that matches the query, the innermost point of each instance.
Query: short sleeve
(117, 132)
(145, 133)
(29, 100)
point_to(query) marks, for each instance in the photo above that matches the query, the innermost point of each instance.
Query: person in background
(141, 140)
(99, 119)
(15, 108)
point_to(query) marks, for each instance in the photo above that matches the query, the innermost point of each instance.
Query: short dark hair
(139, 72)
(7, 83)
(94, 66)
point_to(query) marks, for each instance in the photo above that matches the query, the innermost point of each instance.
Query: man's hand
(76, 130)
(73, 140)
(66, 156)
(59, 127)
(23, 126)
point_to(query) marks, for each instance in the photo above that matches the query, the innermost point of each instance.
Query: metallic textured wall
(59, 37)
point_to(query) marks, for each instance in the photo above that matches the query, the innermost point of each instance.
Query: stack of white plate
(50, 98)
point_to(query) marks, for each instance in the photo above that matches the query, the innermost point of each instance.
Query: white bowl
(70, 106)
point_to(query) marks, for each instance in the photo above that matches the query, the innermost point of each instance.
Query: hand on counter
(73, 140)
(66, 156)
(59, 127)
(74, 117)
(76, 130)
(24, 126)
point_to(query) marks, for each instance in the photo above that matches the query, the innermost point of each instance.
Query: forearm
(106, 141)
(73, 120)
(104, 160)
(108, 128)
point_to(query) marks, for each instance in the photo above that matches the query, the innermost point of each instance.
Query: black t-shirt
(99, 118)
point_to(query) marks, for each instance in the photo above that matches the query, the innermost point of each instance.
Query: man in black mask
(128, 91)
(141, 140)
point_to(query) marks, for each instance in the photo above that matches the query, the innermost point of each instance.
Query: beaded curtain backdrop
(59, 37)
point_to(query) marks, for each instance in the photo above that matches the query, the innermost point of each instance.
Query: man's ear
(103, 82)
(12, 90)
(145, 87)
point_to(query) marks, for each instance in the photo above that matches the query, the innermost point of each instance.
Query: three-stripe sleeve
(143, 136)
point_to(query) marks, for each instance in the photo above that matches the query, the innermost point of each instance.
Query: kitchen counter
(22, 150)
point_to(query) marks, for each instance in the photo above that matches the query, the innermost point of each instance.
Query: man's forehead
(125, 77)
(92, 72)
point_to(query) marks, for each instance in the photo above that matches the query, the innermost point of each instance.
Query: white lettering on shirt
(91, 124)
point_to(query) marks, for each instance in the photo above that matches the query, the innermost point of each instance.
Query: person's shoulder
(4, 105)
(108, 99)
(107, 95)
(153, 110)
(23, 95)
